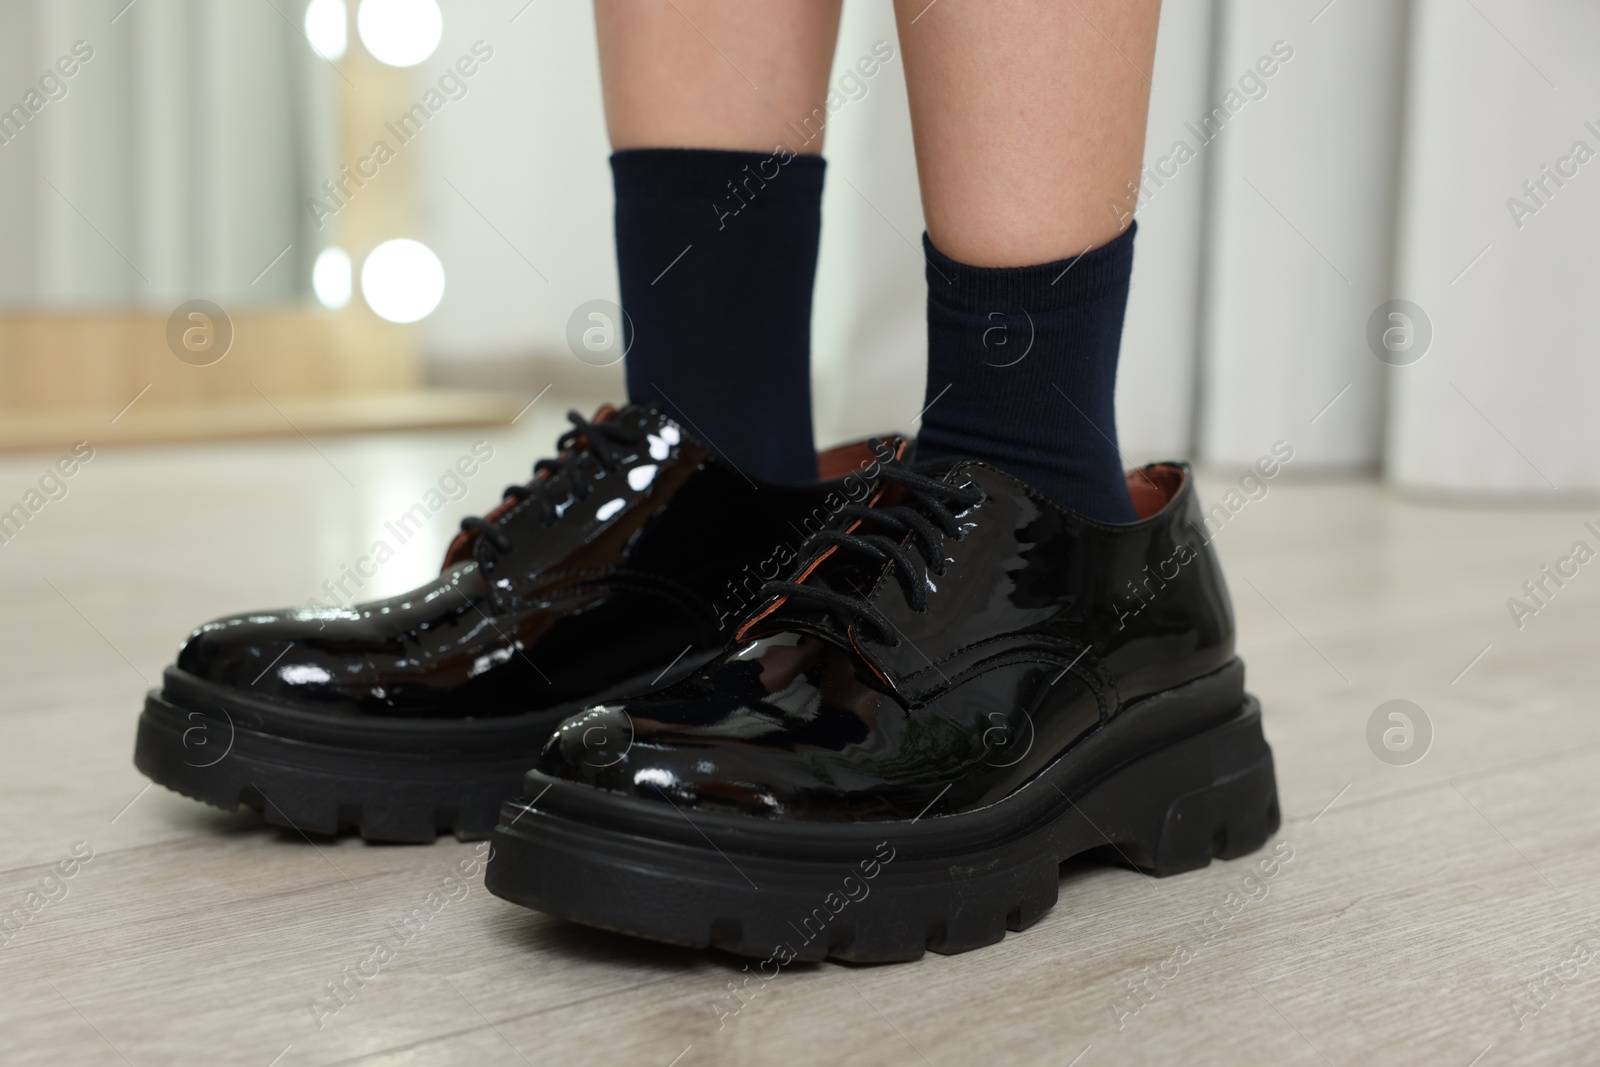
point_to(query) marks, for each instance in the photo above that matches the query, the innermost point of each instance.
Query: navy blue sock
(718, 255)
(1022, 367)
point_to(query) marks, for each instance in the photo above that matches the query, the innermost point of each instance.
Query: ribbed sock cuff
(706, 173)
(1066, 283)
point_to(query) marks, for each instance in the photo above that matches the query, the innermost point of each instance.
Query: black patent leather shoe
(961, 687)
(622, 565)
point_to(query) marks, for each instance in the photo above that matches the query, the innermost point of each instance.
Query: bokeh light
(402, 280)
(401, 33)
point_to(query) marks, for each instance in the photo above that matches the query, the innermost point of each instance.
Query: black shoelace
(607, 442)
(925, 515)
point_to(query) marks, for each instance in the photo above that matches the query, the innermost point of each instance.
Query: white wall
(869, 326)
(1508, 398)
(526, 152)
(1301, 231)
(1160, 342)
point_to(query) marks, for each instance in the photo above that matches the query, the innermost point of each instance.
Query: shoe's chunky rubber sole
(888, 891)
(324, 789)
(400, 780)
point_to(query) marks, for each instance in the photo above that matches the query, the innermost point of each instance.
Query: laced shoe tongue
(846, 574)
(900, 525)
(550, 474)
(843, 573)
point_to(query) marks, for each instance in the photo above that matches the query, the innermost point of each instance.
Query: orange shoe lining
(1152, 488)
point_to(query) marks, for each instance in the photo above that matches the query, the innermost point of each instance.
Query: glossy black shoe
(963, 687)
(623, 564)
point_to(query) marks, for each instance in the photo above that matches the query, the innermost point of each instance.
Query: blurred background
(383, 264)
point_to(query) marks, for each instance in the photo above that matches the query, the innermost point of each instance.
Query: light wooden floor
(1419, 902)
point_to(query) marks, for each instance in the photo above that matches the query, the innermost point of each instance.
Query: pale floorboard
(1415, 906)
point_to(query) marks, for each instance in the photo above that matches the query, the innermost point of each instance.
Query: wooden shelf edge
(418, 409)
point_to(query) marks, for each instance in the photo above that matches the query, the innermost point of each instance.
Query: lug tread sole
(326, 802)
(671, 894)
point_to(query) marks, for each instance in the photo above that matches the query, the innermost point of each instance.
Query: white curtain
(173, 163)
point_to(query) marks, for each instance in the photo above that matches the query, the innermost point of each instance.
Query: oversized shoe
(964, 686)
(620, 566)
